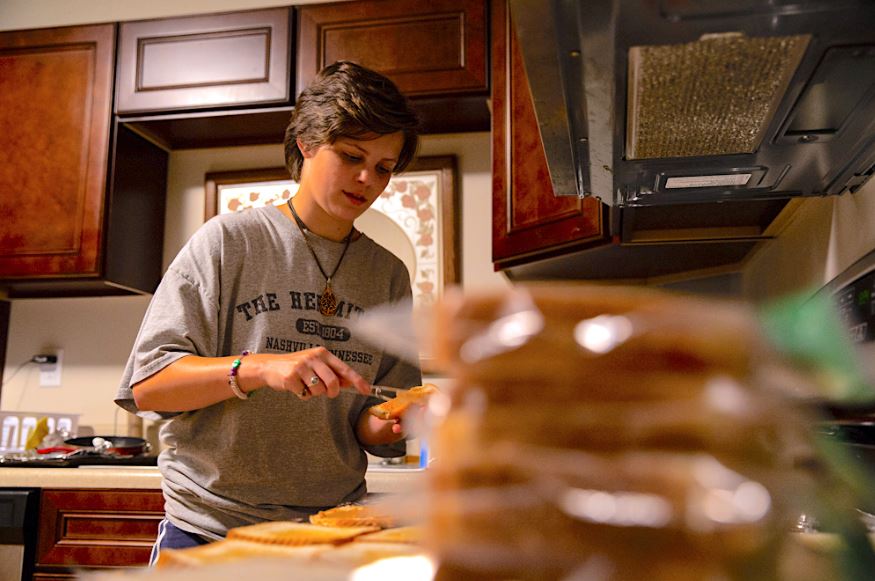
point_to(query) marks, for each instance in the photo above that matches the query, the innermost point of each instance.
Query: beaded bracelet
(232, 377)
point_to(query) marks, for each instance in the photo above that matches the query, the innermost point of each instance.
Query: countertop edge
(148, 478)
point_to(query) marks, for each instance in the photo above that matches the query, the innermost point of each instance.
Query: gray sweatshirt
(246, 281)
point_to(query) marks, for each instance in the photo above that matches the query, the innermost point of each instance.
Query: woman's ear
(305, 151)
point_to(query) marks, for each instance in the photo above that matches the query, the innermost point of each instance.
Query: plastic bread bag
(560, 336)
(643, 514)
(570, 402)
(807, 330)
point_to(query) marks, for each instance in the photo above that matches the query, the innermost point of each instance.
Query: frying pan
(112, 445)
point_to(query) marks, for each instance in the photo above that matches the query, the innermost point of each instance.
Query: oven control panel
(856, 304)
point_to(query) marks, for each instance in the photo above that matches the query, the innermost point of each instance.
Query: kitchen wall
(824, 237)
(96, 334)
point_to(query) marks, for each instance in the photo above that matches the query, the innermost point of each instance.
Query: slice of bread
(358, 554)
(352, 515)
(233, 550)
(408, 535)
(297, 533)
(395, 408)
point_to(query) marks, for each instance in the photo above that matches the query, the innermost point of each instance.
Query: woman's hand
(194, 382)
(310, 373)
(411, 422)
(373, 431)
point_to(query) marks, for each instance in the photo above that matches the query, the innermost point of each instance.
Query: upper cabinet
(436, 51)
(55, 105)
(207, 81)
(428, 47)
(74, 207)
(527, 219)
(231, 79)
(224, 60)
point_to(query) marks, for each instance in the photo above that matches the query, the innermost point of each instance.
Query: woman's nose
(365, 176)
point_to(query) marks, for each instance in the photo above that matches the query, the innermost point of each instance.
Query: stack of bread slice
(608, 433)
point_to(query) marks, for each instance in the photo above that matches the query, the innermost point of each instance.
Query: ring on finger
(305, 392)
(314, 380)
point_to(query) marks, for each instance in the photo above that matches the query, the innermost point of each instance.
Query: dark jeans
(173, 537)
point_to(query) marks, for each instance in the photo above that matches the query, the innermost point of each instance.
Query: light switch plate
(50, 373)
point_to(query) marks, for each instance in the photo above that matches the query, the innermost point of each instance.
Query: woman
(246, 343)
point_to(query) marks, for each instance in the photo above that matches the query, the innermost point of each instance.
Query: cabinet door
(527, 219)
(239, 58)
(55, 107)
(97, 528)
(427, 47)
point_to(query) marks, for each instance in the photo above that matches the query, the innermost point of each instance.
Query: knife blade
(381, 391)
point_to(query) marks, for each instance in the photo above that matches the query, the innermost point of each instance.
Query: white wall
(96, 334)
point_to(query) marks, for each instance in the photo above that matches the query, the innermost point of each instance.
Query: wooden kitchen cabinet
(527, 219)
(88, 529)
(217, 60)
(55, 98)
(436, 51)
(82, 199)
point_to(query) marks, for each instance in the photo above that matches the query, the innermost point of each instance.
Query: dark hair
(348, 100)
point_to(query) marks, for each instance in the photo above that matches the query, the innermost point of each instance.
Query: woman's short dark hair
(348, 100)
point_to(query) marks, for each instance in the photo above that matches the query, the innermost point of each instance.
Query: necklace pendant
(328, 301)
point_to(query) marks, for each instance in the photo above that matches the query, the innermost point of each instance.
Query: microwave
(853, 293)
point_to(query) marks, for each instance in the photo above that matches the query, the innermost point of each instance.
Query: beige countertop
(381, 480)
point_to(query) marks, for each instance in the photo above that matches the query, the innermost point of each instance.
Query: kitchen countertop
(381, 480)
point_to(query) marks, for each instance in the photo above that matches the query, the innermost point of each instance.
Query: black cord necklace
(328, 300)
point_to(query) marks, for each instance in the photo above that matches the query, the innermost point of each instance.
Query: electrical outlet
(50, 373)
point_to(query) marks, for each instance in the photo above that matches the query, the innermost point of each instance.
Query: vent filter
(715, 96)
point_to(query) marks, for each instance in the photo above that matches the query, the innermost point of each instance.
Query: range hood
(654, 102)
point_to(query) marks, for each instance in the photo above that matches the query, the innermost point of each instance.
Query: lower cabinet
(90, 529)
